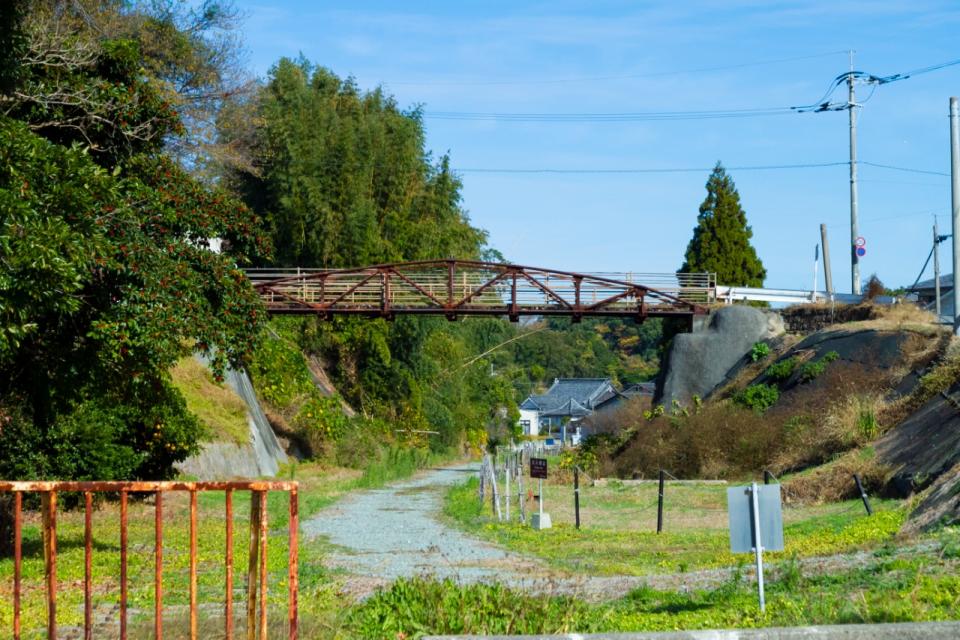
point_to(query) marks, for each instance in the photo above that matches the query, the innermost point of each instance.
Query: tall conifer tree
(721, 239)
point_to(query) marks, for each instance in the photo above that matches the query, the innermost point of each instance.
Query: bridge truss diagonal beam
(465, 287)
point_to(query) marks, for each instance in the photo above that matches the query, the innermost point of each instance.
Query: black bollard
(863, 495)
(660, 503)
(767, 477)
(576, 495)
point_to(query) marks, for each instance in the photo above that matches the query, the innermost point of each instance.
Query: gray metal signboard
(740, 510)
(755, 515)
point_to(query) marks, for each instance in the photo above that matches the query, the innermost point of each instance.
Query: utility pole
(936, 265)
(955, 190)
(827, 271)
(854, 224)
(816, 261)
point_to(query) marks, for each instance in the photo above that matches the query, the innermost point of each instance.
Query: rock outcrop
(925, 446)
(940, 507)
(699, 362)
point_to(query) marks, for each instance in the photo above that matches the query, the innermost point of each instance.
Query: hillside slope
(871, 397)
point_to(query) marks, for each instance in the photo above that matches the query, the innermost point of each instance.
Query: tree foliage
(107, 273)
(123, 77)
(106, 278)
(721, 239)
(344, 179)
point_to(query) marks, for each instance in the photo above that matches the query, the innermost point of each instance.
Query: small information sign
(770, 520)
(756, 524)
(538, 468)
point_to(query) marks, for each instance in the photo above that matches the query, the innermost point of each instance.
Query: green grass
(221, 410)
(619, 520)
(886, 590)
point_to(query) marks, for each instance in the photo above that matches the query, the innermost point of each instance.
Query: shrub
(867, 425)
(107, 438)
(760, 351)
(758, 397)
(723, 440)
(812, 370)
(782, 370)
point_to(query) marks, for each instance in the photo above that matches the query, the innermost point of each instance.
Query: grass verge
(618, 536)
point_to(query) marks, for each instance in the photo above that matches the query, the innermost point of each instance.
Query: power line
(629, 170)
(640, 116)
(823, 104)
(906, 169)
(632, 76)
(770, 167)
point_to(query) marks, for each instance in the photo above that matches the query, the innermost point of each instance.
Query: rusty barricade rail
(257, 569)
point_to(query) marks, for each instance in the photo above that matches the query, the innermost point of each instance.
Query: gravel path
(394, 532)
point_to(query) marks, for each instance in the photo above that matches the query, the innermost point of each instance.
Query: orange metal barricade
(257, 570)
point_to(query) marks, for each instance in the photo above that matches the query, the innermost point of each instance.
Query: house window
(525, 425)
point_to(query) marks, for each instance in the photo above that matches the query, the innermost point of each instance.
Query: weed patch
(758, 397)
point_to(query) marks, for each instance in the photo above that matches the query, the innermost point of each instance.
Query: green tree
(123, 77)
(106, 281)
(721, 239)
(344, 179)
(108, 275)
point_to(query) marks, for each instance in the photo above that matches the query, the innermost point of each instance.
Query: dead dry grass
(833, 481)
(943, 373)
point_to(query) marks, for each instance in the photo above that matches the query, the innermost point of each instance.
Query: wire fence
(688, 510)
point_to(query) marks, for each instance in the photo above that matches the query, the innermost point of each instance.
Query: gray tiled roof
(575, 397)
(946, 281)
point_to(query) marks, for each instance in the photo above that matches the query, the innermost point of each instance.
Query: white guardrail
(730, 295)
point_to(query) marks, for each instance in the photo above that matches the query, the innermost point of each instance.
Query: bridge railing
(431, 284)
(256, 573)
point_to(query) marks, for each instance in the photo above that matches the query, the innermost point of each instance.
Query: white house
(565, 403)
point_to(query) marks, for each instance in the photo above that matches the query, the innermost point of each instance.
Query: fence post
(158, 565)
(767, 477)
(228, 562)
(506, 491)
(494, 494)
(483, 479)
(576, 494)
(863, 494)
(49, 504)
(262, 530)
(660, 503)
(252, 566)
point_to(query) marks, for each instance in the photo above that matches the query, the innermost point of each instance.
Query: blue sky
(620, 57)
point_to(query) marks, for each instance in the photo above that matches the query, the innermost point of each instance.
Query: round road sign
(860, 241)
(861, 251)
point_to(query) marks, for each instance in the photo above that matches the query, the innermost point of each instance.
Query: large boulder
(699, 362)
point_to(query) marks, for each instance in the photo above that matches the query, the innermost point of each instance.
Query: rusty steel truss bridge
(455, 288)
